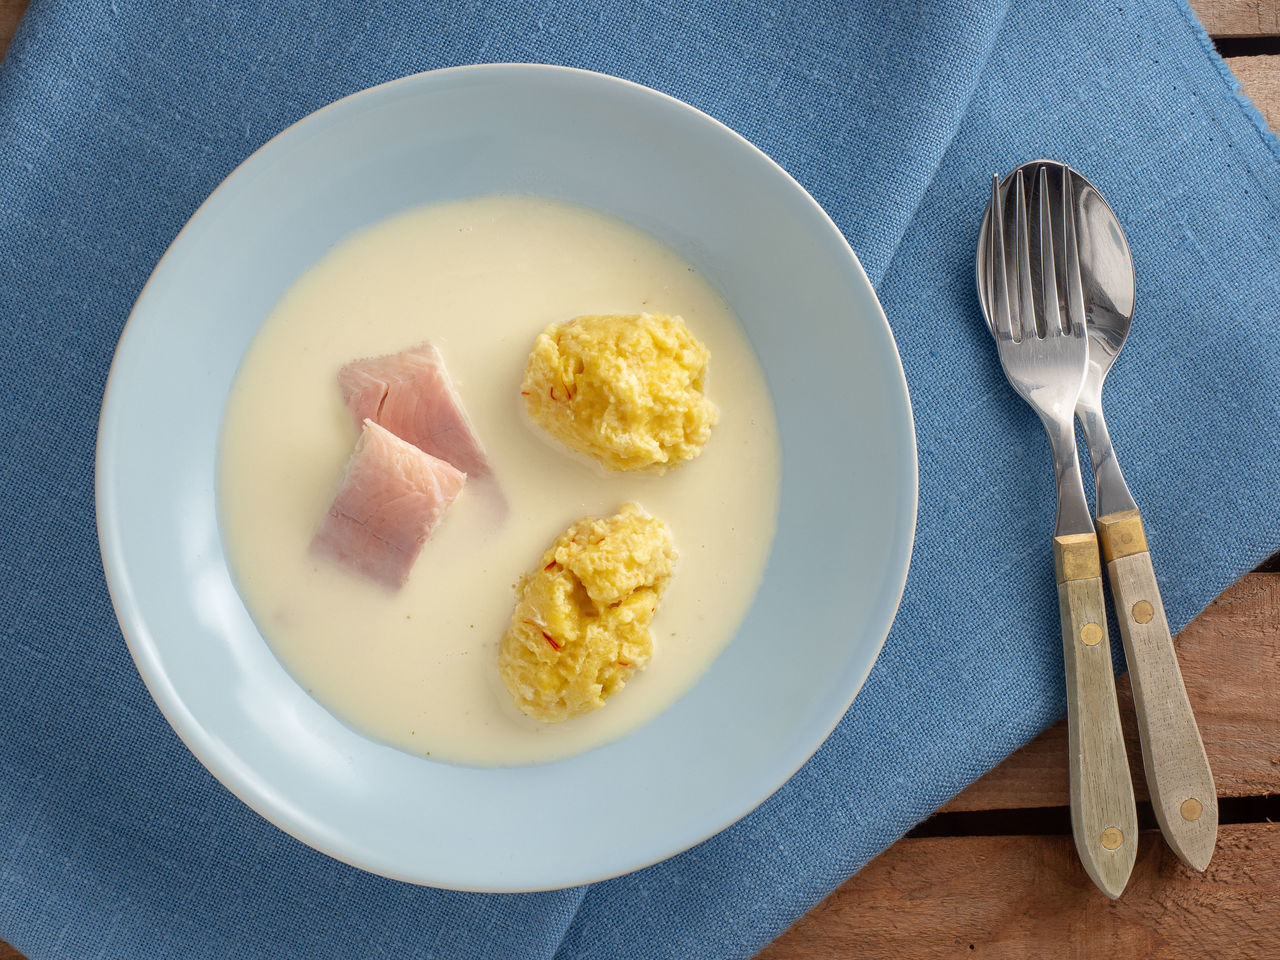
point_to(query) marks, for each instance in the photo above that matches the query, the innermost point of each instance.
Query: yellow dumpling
(580, 629)
(624, 389)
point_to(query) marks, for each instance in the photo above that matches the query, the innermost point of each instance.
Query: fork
(1044, 353)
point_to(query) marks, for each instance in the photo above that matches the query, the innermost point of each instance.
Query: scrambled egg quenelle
(580, 629)
(624, 389)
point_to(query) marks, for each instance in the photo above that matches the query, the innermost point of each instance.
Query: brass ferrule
(1121, 535)
(1075, 557)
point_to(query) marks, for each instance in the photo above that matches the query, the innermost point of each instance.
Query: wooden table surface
(995, 874)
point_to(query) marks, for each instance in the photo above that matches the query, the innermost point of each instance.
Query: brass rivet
(1126, 537)
(1143, 611)
(1112, 838)
(1091, 634)
(1191, 809)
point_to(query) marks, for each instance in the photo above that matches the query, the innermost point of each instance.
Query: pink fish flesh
(390, 499)
(410, 394)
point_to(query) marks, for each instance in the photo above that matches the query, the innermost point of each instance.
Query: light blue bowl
(848, 491)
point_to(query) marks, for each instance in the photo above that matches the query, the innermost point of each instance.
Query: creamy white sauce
(480, 279)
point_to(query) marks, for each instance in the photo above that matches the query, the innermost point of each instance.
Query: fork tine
(997, 274)
(1026, 299)
(1053, 319)
(1071, 255)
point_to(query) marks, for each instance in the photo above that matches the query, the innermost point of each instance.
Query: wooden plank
(1239, 18)
(1260, 79)
(1016, 897)
(1230, 658)
(10, 13)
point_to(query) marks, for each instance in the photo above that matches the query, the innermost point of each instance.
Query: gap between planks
(1056, 821)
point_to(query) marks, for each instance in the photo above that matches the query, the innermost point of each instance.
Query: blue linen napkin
(117, 118)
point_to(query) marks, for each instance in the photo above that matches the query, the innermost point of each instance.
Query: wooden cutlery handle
(1178, 774)
(1104, 818)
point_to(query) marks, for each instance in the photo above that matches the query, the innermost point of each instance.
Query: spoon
(1178, 776)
